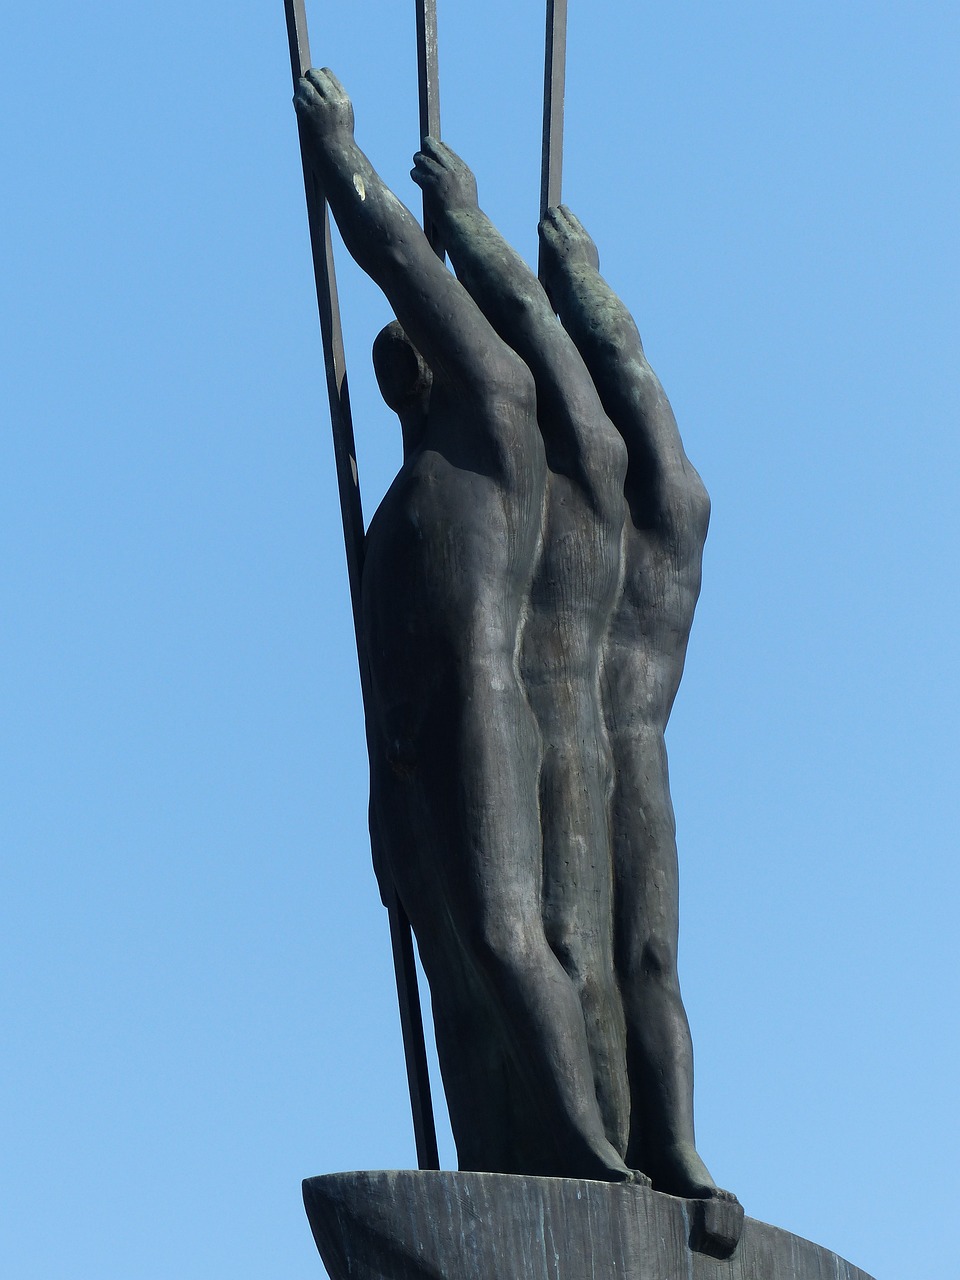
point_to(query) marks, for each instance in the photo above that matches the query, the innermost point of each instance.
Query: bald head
(402, 375)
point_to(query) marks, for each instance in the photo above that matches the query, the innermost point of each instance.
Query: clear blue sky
(197, 1005)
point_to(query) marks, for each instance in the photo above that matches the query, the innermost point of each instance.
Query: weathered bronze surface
(528, 590)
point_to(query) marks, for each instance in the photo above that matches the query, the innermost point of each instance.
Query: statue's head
(403, 377)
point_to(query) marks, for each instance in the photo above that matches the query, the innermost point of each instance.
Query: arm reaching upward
(386, 240)
(503, 286)
(659, 474)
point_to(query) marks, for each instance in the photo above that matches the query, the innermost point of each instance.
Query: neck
(412, 426)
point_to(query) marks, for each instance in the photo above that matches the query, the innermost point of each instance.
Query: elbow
(688, 503)
(615, 339)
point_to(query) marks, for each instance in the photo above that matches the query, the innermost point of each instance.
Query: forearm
(499, 281)
(380, 233)
(609, 342)
(598, 322)
(386, 241)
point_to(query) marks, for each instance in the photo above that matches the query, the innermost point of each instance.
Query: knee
(576, 953)
(568, 949)
(654, 962)
(688, 503)
(696, 503)
(586, 962)
(505, 949)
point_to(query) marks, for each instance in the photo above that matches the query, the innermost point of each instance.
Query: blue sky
(197, 1002)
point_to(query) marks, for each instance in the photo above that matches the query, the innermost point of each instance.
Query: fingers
(326, 83)
(565, 237)
(320, 88)
(323, 106)
(552, 232)
(444, 156)
(424, 161)
(426, 170)
(574, 223)
(560, 219)
(435, 149)
(305, 95)
(436, 163)
(547, 226)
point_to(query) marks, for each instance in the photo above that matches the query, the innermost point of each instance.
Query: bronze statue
(528, 591)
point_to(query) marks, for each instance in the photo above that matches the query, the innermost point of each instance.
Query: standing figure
(643, 661)
(529, 586)
(575, 586)
(455, 746)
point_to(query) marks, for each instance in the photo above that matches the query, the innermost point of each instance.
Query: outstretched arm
(661, 481)
(501, 283)
(386, 240)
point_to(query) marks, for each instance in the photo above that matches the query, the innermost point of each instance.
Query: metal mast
(411, 1019)
(428, 76)
(554, 72)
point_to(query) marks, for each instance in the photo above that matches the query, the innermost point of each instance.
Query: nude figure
(574, 588)
(643, 661)
(455, 746)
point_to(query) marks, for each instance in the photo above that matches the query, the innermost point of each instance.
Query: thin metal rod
(428, 78)
(297, 38)
(554, 73)
(330, 332)
(414, 1045)
(348, 483)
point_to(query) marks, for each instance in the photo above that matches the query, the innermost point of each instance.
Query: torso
(646, 647)
(450, 553)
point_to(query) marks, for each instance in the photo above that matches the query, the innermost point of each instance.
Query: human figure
(455, 748)
(572, 596)
(644, 656)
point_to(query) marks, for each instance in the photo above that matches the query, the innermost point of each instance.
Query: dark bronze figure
(528, 591)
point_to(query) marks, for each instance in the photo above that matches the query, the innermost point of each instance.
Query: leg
(577, 900)
(658, 1036)
(493, 900)
(660, 1050)
(463, 845)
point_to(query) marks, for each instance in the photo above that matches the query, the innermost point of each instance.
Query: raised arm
(386, 240)
(506, 290)
(661, 481)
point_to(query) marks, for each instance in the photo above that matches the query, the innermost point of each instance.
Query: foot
(324, 107)
(718, 1218)
(609, 1171)
(446, 181)
(565, 246)
(596, 1161)
(681, 1172)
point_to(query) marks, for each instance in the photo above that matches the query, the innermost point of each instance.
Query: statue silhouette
(528, 591)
